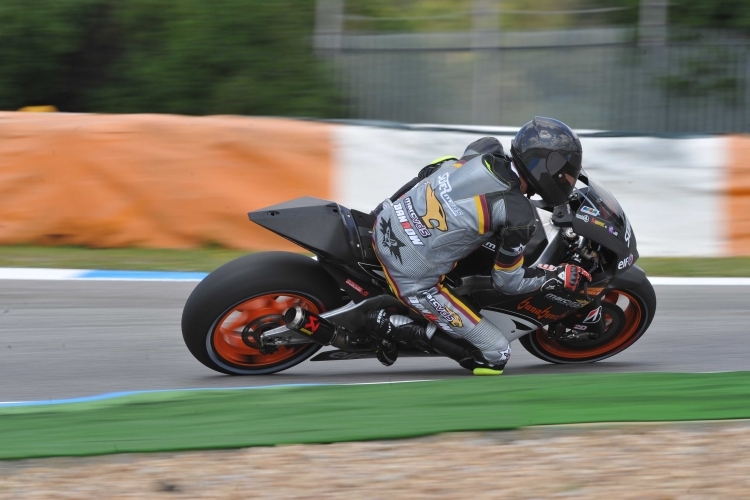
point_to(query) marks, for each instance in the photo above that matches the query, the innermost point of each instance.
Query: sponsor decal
(628, 232)
(438, 307)
(416, 304)
(518, 250)
(390, 242)
(414, 217)
(445, 319)
(589, 210)
(504, 355)
(434, 217)
(457, 321)
(444, 186)
(490, 246)
(311, 326)
(611, 230)
(594, 316)
(580, 327)
(550, 284)
(615, 233)
(594, 290)
(575, 304)
(381, 318)
(406, 225)
(584, 218)
(547, 267)
(526, 305)
(358, 288)
(598, 222)
(627, 261)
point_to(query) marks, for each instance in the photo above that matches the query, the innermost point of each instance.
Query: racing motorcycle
(266, 312)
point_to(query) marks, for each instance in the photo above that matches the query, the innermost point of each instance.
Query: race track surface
(66, 339)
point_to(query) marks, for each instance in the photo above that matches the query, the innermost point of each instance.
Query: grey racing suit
(456, 207)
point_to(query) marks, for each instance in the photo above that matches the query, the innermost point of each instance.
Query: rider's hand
(564, 277)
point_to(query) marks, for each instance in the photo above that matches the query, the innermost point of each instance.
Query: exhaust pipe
(307, 323)
(324, 332)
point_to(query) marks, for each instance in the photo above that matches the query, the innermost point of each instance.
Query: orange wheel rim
(258, 314)
(633, 315)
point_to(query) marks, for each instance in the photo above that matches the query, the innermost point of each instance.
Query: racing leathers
(457, 206)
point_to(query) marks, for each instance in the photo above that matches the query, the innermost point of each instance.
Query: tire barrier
(156, 181)
(164, 181)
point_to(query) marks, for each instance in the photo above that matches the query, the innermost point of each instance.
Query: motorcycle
(266, 312)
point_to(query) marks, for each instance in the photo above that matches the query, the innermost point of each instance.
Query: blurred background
(320, 92)
(647, 66)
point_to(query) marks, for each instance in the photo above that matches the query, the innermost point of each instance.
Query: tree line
(164, 56)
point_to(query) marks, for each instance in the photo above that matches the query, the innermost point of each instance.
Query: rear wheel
(627, 316)
(246, 297)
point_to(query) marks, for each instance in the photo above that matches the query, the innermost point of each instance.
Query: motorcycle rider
(450, 209)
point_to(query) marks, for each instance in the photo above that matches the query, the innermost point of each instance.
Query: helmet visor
(564, 169)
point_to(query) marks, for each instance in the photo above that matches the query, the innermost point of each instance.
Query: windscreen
(609, 206)
(601, 219)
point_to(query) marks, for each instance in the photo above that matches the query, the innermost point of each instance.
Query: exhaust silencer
(307, 323)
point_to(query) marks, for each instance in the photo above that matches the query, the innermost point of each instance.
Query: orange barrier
(154, 180)
(738, 196)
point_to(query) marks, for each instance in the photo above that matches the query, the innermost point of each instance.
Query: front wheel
(627, 316)
(248, 296)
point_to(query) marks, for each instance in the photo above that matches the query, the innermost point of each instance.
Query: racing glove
(564, 277)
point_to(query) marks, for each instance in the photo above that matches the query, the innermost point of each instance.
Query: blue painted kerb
(142, 275)
(115, 395)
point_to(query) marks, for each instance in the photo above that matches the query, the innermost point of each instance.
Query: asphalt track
(67, 339)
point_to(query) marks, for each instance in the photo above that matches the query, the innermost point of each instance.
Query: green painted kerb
(237, 418)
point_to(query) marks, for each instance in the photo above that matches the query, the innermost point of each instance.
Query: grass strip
(189, 420)
(696, 267)
(127, 259)
(208, 259)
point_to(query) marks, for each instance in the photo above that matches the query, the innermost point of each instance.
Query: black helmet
(548, 154)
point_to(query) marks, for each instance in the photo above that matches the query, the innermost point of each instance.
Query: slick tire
(628, 314)
(248, 295)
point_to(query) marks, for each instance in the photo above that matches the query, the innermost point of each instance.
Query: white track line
(20, 273)
(656, 280)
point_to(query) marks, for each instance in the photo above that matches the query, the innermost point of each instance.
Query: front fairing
(601, 219)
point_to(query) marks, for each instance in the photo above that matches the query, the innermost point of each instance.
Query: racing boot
(469, 356)
(491, 349)
(386, 351)
(492, 363)
(383, 324)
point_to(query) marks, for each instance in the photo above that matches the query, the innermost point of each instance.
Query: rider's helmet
(548, 155)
